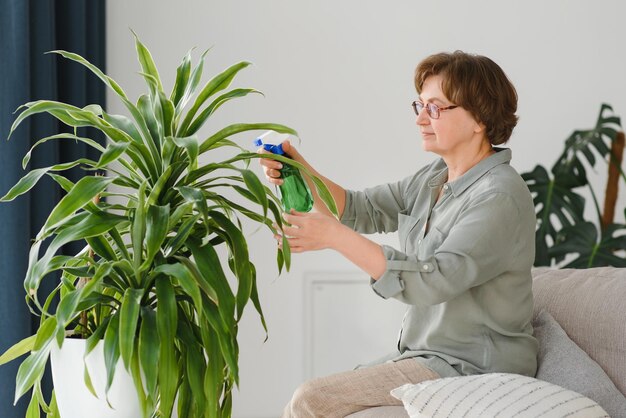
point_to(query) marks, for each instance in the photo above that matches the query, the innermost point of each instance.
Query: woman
(466, 224)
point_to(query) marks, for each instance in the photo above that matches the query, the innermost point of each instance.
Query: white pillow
(491, 395)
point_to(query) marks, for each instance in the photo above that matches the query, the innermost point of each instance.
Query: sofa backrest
(590, 305)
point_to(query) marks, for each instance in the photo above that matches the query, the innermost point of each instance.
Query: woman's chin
(428, 145)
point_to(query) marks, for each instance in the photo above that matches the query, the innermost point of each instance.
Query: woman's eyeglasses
(432, 109)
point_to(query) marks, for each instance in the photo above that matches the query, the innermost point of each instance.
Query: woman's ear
(480, 127)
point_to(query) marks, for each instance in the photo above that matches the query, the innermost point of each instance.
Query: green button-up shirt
(463, 267)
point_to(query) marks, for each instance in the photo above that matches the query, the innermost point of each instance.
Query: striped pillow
(494, 395)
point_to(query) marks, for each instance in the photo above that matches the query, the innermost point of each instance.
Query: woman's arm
(317, 231)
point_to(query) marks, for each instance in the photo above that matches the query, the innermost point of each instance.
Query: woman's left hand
(309, 231)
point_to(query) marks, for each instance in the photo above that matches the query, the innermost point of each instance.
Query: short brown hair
(477, 84)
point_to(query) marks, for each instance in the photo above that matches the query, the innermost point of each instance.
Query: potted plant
(150, 288)
(564, 236)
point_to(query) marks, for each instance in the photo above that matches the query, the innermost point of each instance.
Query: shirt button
(426, 267)
(445, 187)
(419, 241)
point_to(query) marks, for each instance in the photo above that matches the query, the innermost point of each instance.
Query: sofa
(580, 323)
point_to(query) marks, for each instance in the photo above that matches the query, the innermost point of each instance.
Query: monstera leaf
(583, 240)
(582, 143)
(561, 227)
(557, 206)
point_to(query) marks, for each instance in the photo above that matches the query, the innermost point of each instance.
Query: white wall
(340, 72)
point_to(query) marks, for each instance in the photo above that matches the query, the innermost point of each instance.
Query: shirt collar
(458, 186)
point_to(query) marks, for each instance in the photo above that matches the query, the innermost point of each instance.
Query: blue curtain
(30, 28)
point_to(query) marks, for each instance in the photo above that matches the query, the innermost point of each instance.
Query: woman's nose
(422, 118)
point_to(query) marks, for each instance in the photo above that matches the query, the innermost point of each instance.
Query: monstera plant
(151, 284)
(564, 236)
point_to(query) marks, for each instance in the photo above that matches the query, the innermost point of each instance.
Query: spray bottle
(294, 192)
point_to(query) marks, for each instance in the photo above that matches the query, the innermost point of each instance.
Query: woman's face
(454, 131)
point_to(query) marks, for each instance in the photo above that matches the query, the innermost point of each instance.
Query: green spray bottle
(294, 192)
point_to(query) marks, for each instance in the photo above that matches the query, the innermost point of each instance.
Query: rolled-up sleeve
(481, 244)
(373, 210)
(376, 209)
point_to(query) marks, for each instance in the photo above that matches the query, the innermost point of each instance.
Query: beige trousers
(344, 393)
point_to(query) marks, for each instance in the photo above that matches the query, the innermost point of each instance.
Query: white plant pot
(75, 400)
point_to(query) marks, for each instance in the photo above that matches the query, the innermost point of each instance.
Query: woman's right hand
(271, 168)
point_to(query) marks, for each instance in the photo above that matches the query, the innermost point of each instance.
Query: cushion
(565, 364)
(494, 394)
(590, 305)
(380, 412)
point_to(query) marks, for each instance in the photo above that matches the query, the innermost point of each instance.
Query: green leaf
(129, 316)
(168, 375)
(196, 366)
(89, 225)
(111, 348)
(101, 246)
(87, 379)
(146, 61)
(554, 202)
(29, 180)
(167, 114)
(184, 278)
(149, 348)
(166, 313)
(229, 349)
(286, 252)
(153, 142)
(145, 402)
(139, 227)
(18, 349)
(237, 243)
(81, 194)
(243, 127)
(195, 195)
(582, 240)
(97, 336)
(157, 189)
(33, 408)
(31, 370)
(106, 79)
(181, 211)
(25, 184)
(156, 231)
(214, 376)
(182, 78)
(67, 309)
(181, 236)
(45, 333)
(54, 409)
(184, 400)
(325, 195)
(216, 84)
(57, 109)
(167, 320)
(256, 187)
(209, 266)
(190, 145)
(113, 151)
(124, 124)
(254, 296)
(87, 141)
(216, 104)
(583, 143)
(191, 86)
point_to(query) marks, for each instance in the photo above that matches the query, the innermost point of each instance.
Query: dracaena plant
(150, 281)
(564, 237)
